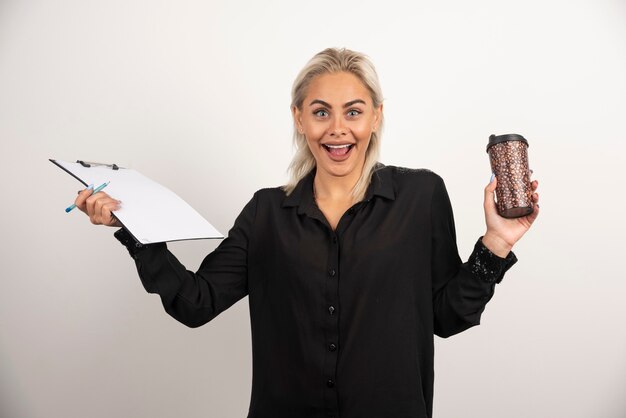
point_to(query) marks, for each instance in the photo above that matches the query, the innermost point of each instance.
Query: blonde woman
(350, 269)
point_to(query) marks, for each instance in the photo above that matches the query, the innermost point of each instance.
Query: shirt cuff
(487, 266)
(133, 246)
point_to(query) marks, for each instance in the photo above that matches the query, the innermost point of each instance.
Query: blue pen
(96, 190)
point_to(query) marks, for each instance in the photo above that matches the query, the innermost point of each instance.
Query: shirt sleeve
(460, 290)
(196, 298)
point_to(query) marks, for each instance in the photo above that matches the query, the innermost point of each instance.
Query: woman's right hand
(99, 207)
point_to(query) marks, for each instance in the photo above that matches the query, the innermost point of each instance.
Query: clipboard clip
(89, 164)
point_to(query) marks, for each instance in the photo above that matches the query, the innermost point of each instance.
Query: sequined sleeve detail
(487, 266)
(133, 246)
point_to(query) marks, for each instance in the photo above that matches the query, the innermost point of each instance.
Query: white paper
(151, 212)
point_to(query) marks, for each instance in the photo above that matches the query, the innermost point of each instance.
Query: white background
(195, 94)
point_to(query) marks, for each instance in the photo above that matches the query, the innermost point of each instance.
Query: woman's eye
(354, 112)
(320, 113)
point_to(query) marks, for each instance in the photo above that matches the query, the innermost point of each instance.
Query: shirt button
(331, 310)
(332, 272)
(334, 240)
(332, 347)
(330, 383)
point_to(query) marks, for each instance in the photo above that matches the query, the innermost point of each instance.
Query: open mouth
(338, 151)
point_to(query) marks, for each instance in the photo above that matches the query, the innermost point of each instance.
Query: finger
(94, 208)
(102, 208)
(82, 197)
(89, 206)
(107, 213)
(490, 203)
(533, 215)
(534, 185)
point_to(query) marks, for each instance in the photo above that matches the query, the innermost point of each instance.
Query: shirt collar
(381, 185)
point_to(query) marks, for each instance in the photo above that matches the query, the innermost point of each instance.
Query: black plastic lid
(493, 139)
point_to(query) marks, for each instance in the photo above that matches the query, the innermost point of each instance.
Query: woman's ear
(297, 118)
(378, 116)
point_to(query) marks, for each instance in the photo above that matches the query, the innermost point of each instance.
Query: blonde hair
(334, 60)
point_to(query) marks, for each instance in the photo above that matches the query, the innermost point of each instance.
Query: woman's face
(338, 118)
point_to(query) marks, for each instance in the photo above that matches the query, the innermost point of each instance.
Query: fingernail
(538, 205)
(90, 187)
(492, 177)
(531, 171)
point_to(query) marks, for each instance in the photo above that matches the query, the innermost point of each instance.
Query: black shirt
(342, 321)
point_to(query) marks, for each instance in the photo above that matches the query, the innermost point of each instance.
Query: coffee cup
(508, 155)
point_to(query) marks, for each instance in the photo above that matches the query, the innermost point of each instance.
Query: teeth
(337, 146)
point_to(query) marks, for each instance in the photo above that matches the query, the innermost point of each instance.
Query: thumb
(490, 202)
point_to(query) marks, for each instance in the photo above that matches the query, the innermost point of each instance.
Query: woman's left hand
(503, 233)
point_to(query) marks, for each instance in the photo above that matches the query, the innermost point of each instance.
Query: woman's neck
(332, 188)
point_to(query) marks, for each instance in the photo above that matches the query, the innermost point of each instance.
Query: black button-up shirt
(342, 321)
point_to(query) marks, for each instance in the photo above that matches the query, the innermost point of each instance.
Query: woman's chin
(339, 169)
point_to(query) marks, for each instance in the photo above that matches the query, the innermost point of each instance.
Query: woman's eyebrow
(321, 102)
(348, 104)
(353, 102)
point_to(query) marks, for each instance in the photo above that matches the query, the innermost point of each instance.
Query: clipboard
(150, 212)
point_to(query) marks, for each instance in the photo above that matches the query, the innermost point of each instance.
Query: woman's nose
(338, 128)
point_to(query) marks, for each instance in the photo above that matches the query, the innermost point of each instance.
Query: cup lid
(496, 139)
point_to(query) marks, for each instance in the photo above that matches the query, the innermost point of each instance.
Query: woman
(350, 268)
